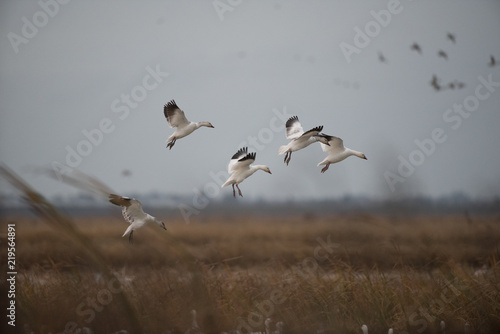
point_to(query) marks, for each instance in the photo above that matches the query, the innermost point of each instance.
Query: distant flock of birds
(240, 166)
(435, 81)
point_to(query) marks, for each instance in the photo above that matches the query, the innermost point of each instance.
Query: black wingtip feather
(249, 156)
(170, 106)
(316, 129)
(240, 152)
(291, 120)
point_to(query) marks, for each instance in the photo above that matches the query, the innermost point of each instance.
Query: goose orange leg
(325, 168)
(239, 190)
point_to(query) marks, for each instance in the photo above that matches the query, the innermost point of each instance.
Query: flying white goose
(133, 214)
(336, 152)
(176, 119)
(299, 138)
(240, 167)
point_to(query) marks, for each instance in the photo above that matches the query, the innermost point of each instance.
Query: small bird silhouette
(435, 84)
(456, 84)
(443, 54)
(493, 62)
(416, 47)
(451, 37)
(382, 58)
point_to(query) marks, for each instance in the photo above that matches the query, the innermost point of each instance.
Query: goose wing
(336, 144)
(293, 128)
(174, 115)
(241, 160)
(313, 132)
(131, 208)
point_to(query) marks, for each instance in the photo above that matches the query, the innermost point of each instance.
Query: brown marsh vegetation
(311, 273)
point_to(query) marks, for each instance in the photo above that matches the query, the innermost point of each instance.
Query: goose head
(162, 225)
(207, 124)
(266, 169)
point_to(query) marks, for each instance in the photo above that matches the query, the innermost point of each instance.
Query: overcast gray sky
(70, 68)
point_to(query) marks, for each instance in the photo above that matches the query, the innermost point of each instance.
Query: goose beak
(163, 226)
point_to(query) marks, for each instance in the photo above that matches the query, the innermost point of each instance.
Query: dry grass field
(314, 274)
